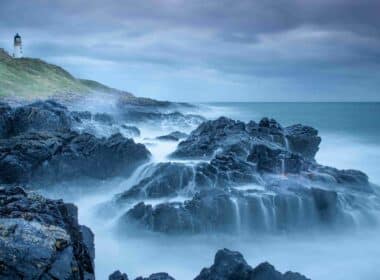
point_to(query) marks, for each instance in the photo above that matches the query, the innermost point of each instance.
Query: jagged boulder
(117, 275)
(275, 160)
(211, 136)
(41, 239)
(40, 116)
(223, 133)
(229, 169)
(230, 265)
(252, 181)
(303, 139)
(48, 156)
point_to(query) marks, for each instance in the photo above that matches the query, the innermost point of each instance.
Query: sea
(350, 140)
(350, 131)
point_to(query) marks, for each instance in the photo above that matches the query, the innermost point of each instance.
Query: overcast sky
(199, 50)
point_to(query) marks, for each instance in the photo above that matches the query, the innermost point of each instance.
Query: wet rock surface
(229, 265)
(39, 116)
(227, 176)
(48, 156)
(41, 238)
(42, 142)
(222, 133)
(117, 275)
(252, 178)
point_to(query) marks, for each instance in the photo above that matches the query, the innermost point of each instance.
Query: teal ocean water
(350, 131)
(350, 139)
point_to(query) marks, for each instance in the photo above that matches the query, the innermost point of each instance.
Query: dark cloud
(173, 43)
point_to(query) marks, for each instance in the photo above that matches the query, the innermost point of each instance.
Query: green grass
(29, 78)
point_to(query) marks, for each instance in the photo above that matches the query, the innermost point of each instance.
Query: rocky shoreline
(228, 265)
(287, 189)
(226, 176)
(41, 239)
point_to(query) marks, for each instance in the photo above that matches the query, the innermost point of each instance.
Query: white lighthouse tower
(17, 53)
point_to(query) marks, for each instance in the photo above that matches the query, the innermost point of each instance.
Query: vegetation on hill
(30, 78)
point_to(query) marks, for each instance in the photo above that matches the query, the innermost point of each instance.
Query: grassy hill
(29, 78)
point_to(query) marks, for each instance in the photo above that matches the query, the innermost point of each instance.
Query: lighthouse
(17, 53)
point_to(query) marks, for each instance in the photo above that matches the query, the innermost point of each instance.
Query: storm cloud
(221, 50)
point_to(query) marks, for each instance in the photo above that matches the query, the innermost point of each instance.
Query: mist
(318, 253)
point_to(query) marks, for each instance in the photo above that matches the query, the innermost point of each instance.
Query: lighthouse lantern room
(17, 53)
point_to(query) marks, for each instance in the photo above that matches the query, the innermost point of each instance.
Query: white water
(349, 152)
(237, 214)
(346, 257)
(320, 256)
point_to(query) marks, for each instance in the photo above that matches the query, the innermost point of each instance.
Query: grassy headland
(30, 78)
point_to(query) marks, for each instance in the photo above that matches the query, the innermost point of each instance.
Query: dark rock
(229, 170)
(157, 276)
(270, 123)
(217, 210)
(40, 116)
(5, 120)
(208, 211)
(326, 203)
(48, 156)
(41, 238)
(174, 136)
(88, 241)
(266, 271)
(275, 160)
(227, 265)
(267, 159)
(210, 136)
(221, 134)
(219, 194)
(117, 275)
(230, 265)
(104, 118)
(80, 116)
(303, 140)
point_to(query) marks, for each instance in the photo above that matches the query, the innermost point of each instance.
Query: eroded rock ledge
(228, 265)
(45, 142)
(248, 177)
(41, 238)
